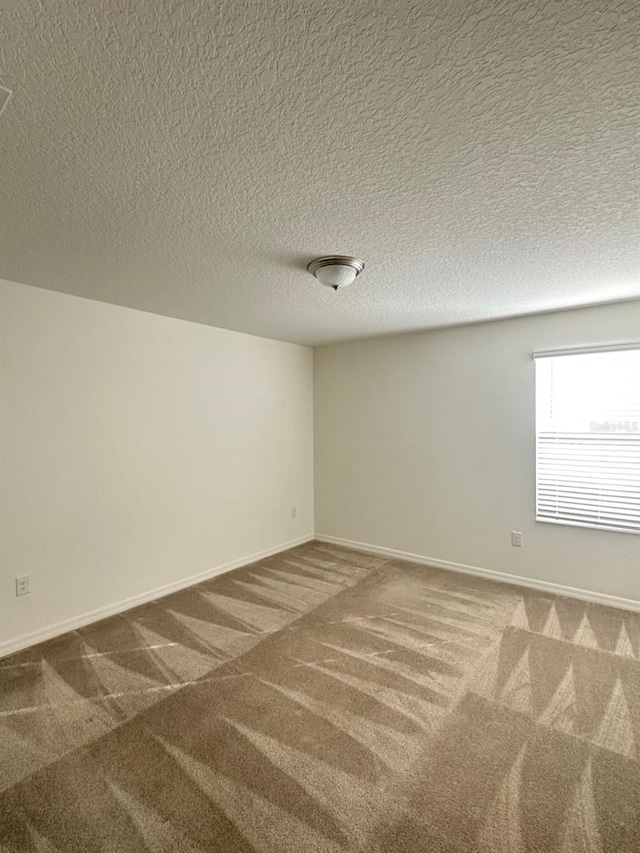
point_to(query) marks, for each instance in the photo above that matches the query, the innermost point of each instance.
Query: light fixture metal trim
(339, 260)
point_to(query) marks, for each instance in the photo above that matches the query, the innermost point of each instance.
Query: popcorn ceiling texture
(189, 159)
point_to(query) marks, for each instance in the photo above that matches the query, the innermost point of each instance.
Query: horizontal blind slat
(618, 522)
(571, 500)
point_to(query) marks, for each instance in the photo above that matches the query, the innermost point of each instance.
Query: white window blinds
(588, 438)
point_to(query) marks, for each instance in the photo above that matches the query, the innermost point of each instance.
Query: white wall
(138, 451)
(425, 444)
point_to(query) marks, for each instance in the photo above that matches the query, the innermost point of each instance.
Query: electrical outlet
(516, 539)
(22, 585)
(294, 512)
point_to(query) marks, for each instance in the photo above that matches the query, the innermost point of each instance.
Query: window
(588, 437)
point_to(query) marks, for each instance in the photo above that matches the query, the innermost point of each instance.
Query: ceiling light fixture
(336, 271)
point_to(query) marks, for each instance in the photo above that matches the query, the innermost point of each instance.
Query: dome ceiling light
(336, 271)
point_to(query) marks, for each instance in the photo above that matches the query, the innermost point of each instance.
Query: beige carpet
(327, 700)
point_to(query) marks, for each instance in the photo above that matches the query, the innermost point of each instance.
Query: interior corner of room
(143, 453)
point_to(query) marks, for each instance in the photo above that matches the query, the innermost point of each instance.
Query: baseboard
(517, 580)
(25, 640)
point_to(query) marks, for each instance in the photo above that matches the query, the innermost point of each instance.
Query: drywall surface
(139, 450)
(425, 443)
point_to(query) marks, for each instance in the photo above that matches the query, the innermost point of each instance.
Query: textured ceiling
(189, 158)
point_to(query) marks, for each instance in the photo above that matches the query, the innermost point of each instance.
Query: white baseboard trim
(503, 577)
(25, 640)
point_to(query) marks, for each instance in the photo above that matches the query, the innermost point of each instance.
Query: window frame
(569, 351)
